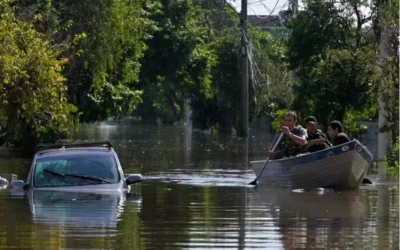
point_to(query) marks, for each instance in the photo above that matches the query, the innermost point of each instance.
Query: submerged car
(77, 166)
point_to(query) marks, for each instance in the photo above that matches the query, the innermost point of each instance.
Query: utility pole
(384, 137)
(294, 9)
(244, 93)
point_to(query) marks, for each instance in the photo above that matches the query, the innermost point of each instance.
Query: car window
(100, 166)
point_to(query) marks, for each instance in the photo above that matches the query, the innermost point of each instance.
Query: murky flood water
(195, 197)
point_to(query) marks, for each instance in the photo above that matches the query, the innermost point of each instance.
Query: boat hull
(342, 166)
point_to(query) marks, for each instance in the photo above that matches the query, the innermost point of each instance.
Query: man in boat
(336, 134)
(316, 139)
(294, 141)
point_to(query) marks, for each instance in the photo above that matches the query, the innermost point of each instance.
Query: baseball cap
(311, 119)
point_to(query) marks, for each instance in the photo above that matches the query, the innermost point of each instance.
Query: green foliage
(341, 82)
(222, 108)
(104, 41)
(315, 31)
(269, 82)
(392, 158)
(32, 89)
(272, 85)
(103, 58)
(336, 72)
(338, 65)
(352, 118)
(178, 64)
(277, 123)
(114, 46)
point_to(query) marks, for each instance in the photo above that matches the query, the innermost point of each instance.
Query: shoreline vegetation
(65, 63)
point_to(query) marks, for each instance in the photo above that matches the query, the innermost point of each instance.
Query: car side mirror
(133, 178)
(18, 185)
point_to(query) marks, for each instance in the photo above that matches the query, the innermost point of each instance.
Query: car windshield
(57, 171)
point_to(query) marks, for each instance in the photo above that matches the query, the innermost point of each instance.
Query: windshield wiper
(64, 175)
(53, 172)
(86, 177)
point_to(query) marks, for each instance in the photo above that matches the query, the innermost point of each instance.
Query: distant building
(268, 22)
(265, 22)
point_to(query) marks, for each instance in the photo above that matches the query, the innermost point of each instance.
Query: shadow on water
(195, 196)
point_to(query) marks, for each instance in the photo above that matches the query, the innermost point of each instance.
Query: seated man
(336, 134)
(294, 141)
(316, 138)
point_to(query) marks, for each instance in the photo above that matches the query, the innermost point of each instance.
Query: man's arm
(321, 141)
(298, 139)
(326, 141)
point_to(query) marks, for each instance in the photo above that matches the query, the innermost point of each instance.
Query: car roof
(73, 151)
(101, 147)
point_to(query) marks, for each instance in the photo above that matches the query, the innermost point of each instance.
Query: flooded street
(195, 196)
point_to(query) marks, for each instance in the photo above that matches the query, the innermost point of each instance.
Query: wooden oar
(273, 149)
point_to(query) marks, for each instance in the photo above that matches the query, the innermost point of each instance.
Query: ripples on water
(214, 177)
(195, 196)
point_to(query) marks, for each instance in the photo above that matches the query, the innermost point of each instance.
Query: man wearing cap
(317, 140)
(336, 134)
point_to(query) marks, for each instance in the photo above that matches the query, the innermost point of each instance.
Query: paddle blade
(253, 182)
(367, 181)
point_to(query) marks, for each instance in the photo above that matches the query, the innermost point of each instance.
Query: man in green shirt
(294, 141)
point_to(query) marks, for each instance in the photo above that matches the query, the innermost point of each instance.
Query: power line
(271, 11)
(276, 4)
(259, 1)
(264, 16)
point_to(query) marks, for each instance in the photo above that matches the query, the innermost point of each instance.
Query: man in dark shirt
(336, 134)
(316, 138)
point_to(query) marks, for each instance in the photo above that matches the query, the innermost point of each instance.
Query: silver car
(78, 166)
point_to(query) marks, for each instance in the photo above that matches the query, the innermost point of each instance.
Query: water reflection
(325, 219)
(78, 210)
(318, 203)
(187, 146)
(59, 219)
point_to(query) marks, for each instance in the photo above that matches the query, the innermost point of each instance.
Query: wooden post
(244, 93)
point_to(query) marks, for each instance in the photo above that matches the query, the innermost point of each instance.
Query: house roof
(264, 22)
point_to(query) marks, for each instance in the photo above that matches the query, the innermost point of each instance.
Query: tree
(270, 87)
(177, 66)
(334, 59)
(223, 107)
(104, 41)
(32, 89)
